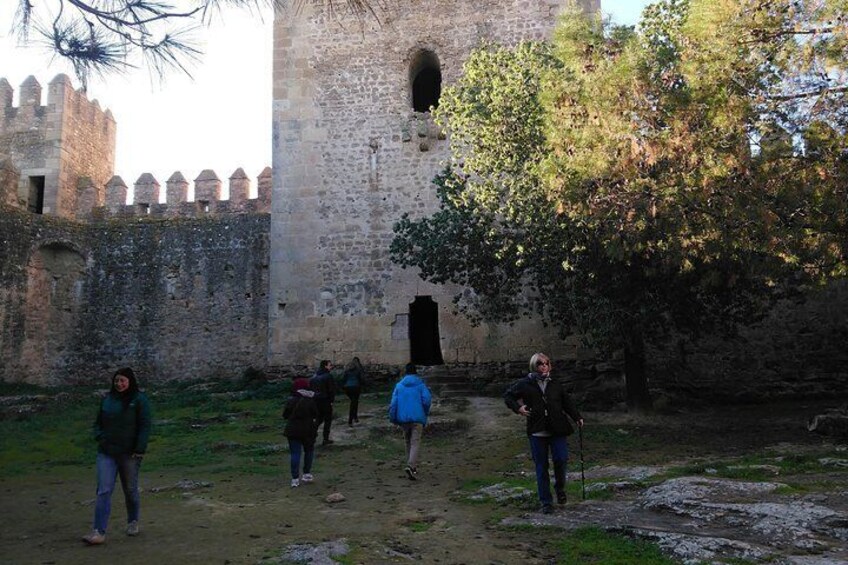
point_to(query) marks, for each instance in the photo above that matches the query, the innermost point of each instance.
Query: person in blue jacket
(122, 429)
(409, 409)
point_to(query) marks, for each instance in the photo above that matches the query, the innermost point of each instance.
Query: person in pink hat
(301, 414)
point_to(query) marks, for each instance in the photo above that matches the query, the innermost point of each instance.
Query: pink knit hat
(300, 384)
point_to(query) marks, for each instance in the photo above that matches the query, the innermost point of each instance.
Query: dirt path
(245, 518)
(250, 517)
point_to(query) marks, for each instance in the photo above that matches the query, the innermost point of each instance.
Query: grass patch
(419, 526)
(759, 467)
(593, 545)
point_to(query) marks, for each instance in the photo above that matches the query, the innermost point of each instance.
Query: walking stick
(582, 463)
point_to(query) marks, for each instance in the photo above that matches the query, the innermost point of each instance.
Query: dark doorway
(424, 343)
(426, 77)
(35, 199)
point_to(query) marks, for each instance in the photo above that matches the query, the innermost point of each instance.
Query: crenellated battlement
(56, 143)
(61, 98)
(208, 196)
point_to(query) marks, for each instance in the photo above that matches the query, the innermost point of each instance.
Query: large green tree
(623, 184)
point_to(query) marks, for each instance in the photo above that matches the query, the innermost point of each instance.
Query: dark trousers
(353, 413)
(540, 448)
(295, 447)
(325, 416)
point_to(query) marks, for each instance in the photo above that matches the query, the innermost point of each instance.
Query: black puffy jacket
(302, 415)
(549, 411)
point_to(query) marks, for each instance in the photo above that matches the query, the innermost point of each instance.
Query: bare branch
(99, 36)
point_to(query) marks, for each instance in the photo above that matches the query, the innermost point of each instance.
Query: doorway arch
(424, 341)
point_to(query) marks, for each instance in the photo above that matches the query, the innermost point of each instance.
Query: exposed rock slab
(707, 520)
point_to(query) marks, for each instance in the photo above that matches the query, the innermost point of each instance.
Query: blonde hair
(534, 361)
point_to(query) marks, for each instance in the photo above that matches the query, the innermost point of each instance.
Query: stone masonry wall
(351, 156)
(179, 298)
(800, 350)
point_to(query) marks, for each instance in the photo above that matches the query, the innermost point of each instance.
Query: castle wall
(175, 298)
(797, 351)
(66, 140)
(351, 156)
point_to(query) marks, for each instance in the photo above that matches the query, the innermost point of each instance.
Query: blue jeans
(108, 469)
(295, 445)
(557, 446)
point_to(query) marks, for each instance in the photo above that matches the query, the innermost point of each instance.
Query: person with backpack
(301, 414)
(353, 382)
(324, 386)
(122, 430)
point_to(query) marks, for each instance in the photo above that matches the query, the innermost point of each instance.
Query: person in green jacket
(122, 428)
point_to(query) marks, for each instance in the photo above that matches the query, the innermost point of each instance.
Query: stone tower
(354, 148)
(64, 150)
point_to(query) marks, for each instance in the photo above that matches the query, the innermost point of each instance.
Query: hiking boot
(132, 528)
(561, 498)
(327, 441)
(95, 538)
(547, 509)
(307, 478)
(412, 473)
(295, 483)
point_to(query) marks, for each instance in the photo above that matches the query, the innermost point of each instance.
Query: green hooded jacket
(123, 430)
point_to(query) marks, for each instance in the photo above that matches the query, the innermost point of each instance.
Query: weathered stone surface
(318, 554)
(335, 497)
(173, 299)
(184, 485)
(501, 492)
(697, 550)
(707, 520)
(351, 155)
(833, 423)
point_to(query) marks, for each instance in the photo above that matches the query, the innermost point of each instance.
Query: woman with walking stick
(546, 406)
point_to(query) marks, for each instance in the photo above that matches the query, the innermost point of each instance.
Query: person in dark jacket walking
(352, 383)
(547, 408)
(409, 409)
(301, 414)
(324, 386)
(122, 429)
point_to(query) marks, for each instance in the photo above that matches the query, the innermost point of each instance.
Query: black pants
(353, 414)
(325, 416)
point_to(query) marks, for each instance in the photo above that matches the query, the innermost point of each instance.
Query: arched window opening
(425, 75)
(424, 343)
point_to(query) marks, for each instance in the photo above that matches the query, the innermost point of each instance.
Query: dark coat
(123, 429)
(301, 414)
(353, 378)
(324, 386)
(548, 410)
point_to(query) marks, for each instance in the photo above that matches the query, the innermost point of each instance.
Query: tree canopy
(100, 36)
(624, 183)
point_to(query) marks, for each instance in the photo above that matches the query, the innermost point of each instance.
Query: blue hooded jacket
(410, 401)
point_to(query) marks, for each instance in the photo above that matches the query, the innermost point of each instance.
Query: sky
(219, 118)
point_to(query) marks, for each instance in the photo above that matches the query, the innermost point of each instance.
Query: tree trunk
(635, 377)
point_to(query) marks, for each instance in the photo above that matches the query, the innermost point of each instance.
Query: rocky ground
(646, 477)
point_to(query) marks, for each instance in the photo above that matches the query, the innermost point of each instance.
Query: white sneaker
(295, 483)
(95, 538)
(307, 478)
